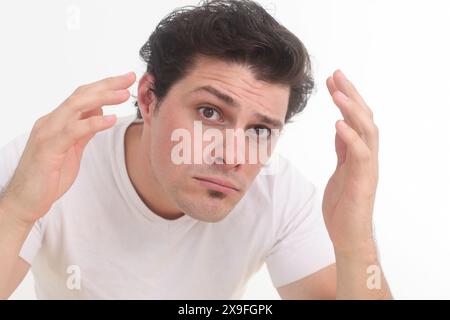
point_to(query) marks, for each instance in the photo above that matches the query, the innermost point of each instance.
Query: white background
(396, 52)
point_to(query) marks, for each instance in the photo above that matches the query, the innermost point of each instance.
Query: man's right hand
(51, 159)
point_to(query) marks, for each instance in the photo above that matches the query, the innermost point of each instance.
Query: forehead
(238, 82)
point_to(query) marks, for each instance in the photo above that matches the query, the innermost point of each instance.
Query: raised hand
(51, 158)
(350, 193)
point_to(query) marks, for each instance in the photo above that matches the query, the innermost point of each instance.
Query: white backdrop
(396, 52)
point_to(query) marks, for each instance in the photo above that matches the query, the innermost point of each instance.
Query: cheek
(161, 155)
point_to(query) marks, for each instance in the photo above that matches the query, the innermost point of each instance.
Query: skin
(348, 204)
(349, 195)
(57, 141)
(169, 189)
(54, 150)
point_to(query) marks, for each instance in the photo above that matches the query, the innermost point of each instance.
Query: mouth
(217, 184)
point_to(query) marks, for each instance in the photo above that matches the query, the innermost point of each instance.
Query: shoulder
(284, 181)
(16, 145)
(10, 154)
(107, 144)
(114, 134)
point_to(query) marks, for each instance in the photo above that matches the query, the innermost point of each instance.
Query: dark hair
(231, 30)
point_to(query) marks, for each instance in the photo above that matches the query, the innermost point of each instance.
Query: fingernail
(341, 95)
(343, 74)
(109, 118)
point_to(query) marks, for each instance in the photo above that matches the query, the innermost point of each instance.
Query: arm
(359, 276)
(349, 196)
(354, 281)
(320, 285)
(348, 206)
(13, 233)
(49, 165)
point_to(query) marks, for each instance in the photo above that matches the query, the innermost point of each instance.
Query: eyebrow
(231, 102)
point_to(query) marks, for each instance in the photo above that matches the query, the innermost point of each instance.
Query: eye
(262, 131)
(209, 113)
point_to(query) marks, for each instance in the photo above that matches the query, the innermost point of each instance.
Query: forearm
(359, 275)
(13, 233)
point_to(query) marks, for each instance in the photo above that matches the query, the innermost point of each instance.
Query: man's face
(220, 96)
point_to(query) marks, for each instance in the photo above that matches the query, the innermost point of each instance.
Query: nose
(231, 149)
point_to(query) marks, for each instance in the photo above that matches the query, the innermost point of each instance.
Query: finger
(346, 86)
(357, 119)
(330, 85)
(83, 141)
(357, 152)
(111, 83)
(80, 129)
(77, 105)
(102, 98)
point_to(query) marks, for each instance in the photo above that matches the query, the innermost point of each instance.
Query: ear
(146, 97)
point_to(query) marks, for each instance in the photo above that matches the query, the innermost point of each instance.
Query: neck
(140, 171)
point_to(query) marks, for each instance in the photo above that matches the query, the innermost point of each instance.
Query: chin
(209, 206)
(210, 217)
(207, 212)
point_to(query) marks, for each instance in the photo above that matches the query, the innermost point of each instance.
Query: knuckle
(82, 88)
(77, 90)
(40, 123)
(371, 130)
(37, 137)
(71, 99)
(375, 130)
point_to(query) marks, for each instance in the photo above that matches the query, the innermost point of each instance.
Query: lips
(217, 184)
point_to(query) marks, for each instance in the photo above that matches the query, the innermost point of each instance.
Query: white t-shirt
(100, 241)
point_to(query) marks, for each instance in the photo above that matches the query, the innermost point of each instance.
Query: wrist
(10, 213)
(365, 251)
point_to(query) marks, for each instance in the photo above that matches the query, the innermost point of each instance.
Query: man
(114, 213)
